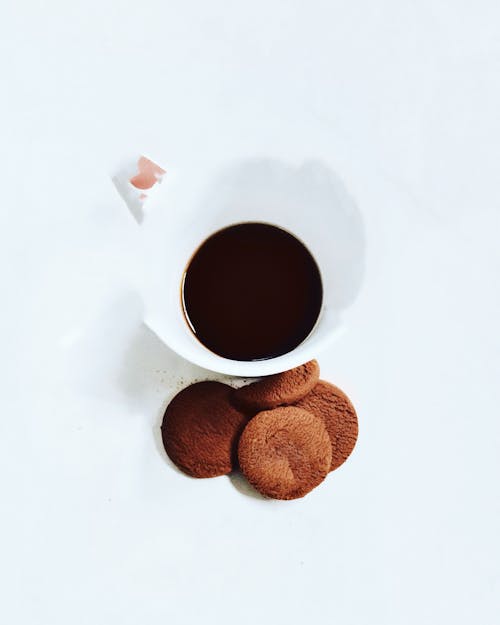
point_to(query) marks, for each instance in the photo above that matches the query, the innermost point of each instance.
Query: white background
(401, 99)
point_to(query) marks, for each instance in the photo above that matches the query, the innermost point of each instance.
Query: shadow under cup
(308, 202)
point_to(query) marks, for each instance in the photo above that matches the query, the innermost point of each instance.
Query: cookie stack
(285, 432)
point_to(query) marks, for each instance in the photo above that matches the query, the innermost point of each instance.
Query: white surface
(401, 99)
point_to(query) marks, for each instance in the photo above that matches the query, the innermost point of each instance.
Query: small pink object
(137, 181)
(149, 174)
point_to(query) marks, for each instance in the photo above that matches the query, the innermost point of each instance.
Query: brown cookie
(279, 389)
(284, 453)
(200, 429)
(335, 408)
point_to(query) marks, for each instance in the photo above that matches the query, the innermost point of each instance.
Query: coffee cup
(308, 200)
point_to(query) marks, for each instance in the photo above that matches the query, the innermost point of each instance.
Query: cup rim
(203, 357)
(187, 200)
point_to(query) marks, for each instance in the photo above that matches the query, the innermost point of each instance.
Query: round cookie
(284, 453)
(200, 430)
(335, 408)
(279, 389)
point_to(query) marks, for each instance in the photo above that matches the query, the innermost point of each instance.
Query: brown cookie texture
(200, 430)
(336, 410)
(284, 453)
(279, 389)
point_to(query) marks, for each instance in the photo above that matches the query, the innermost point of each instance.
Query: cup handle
(135, 181)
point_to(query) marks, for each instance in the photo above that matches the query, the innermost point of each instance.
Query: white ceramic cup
(309, 201)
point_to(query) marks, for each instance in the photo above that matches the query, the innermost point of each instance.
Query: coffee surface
(252, 291)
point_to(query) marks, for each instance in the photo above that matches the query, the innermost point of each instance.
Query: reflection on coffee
(252, 291)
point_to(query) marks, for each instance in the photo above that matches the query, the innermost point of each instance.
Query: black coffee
(252, 291)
